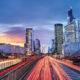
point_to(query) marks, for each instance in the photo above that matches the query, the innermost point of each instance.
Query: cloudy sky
(41, 15)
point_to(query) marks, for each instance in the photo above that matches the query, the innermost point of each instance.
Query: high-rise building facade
(72, 35)
(58, 38)
(49, 50)
(53, 43)
(77, 24)
(72, 30)
(70, 16)
(53, 46)
(37, 46)
(28, 44)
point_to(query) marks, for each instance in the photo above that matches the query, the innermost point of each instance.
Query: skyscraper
(53, 43)
(34, 47)
(70, 16)
(49, 50)
(28, 44)
(58, 38)
(72, 30)
(37, 46)
(72, 35)
(53, 46)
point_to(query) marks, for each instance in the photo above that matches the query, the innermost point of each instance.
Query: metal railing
(17, 71)
(8, 63)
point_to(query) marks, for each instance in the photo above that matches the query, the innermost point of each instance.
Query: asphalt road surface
(48, 68)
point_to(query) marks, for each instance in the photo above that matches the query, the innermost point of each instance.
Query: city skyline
(17, 15)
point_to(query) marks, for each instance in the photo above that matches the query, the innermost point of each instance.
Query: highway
(19, 71)
(45, 68)
(50, 69)
(72, 71)
(74, 74)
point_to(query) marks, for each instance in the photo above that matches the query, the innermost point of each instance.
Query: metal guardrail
(17, 71)
(8, 63)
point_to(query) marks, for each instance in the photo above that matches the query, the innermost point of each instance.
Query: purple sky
(41, 15)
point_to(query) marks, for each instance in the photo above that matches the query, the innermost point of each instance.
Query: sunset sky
(41, 15)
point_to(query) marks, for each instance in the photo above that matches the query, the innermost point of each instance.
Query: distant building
(70, 16)
(37, 46)
(34, 49)
(53, 46)
(28, 44)
(72, 31)
(53, 43)
(72, 34)
(11, 49)
(58, 38)
(49, 50)
(71, 48)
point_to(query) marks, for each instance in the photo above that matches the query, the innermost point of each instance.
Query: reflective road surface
(49, 68)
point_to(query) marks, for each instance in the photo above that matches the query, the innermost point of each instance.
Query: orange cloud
(13, 41)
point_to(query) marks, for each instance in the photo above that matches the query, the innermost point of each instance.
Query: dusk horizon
(39, 39)
(16, 16)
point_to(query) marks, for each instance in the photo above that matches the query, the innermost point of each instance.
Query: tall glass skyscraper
(70, 16)
(58, 38)
(72, 30)
(37, 46)
(72, 34)
(28, 44)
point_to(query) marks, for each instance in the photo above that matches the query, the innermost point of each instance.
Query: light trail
(36, 71)
(47, 68)
(45, 72)
(60, 72)
(41, 70)
(67, 64)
